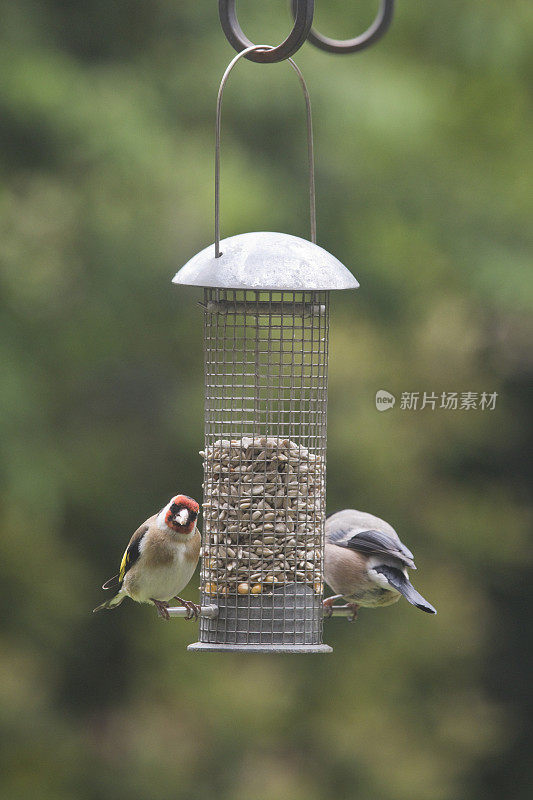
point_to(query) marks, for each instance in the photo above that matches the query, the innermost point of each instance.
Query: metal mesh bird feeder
(266, 314)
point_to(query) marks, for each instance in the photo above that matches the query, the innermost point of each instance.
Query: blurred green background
(424, 191)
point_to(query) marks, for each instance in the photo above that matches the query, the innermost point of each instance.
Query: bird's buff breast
(347, 574)
(160, 582)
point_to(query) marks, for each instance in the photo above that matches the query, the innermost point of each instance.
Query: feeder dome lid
(266, 260)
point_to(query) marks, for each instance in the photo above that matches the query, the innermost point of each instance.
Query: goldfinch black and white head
(181, 513)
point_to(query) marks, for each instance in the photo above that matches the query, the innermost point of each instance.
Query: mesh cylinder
(264, 469)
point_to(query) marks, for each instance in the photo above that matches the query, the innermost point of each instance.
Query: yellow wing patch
(132, 553)
(124, 564)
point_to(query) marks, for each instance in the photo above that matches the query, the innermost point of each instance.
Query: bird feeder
(266, 316)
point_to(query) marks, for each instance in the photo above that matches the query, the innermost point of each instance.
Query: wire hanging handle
(371, 35)
(310, 148)
(303, 17)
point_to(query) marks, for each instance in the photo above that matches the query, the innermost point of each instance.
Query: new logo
(384, 400)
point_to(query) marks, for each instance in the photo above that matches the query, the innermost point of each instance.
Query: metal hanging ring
(372, 34)
(303, 18)
(310, 148)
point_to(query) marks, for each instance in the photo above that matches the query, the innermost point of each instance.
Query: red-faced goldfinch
(160, 559)
(366, 563)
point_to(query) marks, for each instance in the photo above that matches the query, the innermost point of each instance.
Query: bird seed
(263, 516)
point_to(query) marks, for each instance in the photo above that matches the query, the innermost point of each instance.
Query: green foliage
(423, 160)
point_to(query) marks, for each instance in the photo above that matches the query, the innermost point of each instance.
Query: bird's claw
(193, 610)
(328, 609)
(354, 609)
(327, 605)
(162, 608)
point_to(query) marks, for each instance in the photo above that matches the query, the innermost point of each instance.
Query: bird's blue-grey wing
(372, 543)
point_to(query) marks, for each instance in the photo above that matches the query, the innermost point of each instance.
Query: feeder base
(260, 648)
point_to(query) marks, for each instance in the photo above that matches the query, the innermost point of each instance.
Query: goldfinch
(160, 559)
(366, 563)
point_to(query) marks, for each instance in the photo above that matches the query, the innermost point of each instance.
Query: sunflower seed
(267, 494)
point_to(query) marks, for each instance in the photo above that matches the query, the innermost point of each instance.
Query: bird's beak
(182, 517)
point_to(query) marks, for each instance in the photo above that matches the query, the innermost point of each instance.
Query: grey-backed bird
(160, 559)
(366, 563)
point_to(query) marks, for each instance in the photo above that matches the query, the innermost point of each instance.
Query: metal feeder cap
(265, 260)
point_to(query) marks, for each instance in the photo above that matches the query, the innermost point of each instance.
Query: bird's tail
(109, 604)
(398, 581)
